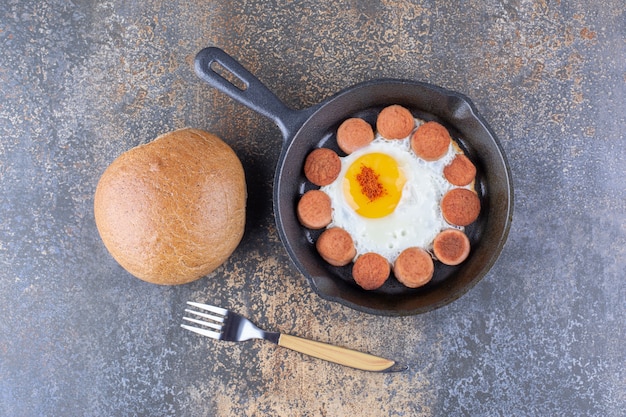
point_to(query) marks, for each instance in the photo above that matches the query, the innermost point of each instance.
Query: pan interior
(487, 235)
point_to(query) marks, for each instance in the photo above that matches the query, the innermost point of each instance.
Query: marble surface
(83, 81)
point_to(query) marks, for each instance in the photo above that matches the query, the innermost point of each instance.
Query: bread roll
(173, 210)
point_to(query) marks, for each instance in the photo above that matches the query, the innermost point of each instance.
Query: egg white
(416, 220)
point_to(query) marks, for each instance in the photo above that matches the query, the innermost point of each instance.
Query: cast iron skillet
(305, 130)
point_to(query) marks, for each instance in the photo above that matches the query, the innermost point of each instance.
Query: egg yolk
(373, 185)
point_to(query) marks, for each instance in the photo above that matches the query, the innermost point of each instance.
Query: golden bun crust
(173, 210)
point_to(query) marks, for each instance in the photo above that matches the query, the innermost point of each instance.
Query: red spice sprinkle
(370, 186)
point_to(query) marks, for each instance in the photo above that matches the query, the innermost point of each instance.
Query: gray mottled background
(82, 81)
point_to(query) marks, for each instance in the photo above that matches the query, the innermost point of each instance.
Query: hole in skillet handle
(221, 71)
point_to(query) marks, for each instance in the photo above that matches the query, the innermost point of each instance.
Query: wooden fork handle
(336, 354)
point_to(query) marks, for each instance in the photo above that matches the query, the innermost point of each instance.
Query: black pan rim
(310, 114)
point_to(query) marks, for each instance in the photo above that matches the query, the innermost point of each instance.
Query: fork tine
(204, 323)
(203, 332)
(212, 309)
(216, 321)
(206, 316)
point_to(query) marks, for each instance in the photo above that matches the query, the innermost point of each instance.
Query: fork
(221, 324)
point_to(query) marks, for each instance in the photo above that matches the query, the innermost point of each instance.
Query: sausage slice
(336, 246)
(460, 172)
(395, 122)
(371, 270)
(430, 141)
(354, 133)
(460, 206)
(322, 166)
(314, 209)
(451, 247)
(414, 267)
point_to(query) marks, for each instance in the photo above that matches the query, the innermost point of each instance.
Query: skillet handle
(252, 93)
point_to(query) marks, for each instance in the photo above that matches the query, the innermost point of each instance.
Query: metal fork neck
(247, 330)
(271, 337)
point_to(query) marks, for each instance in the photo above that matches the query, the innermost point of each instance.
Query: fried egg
(388, 199)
